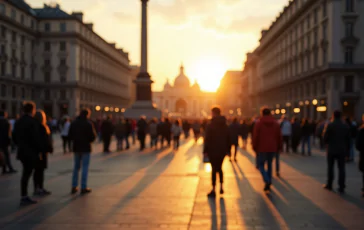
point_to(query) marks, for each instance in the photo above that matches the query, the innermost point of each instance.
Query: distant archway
(181, 106)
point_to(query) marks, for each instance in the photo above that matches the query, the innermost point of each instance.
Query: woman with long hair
(46, 147)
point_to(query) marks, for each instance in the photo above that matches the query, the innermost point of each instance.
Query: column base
(143, 108)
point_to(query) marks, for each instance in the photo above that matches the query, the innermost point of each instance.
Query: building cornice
(17, 25)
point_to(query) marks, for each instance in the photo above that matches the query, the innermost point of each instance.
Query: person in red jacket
(267, 141)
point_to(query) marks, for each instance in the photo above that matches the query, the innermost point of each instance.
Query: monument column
(143, 104)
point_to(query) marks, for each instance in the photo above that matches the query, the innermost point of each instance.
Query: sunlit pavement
(167, 190)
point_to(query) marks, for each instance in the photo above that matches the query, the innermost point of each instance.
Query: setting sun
(208, 71)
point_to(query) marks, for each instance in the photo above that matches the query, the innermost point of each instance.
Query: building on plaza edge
(310, 61)
(57, 60)
(183, 100)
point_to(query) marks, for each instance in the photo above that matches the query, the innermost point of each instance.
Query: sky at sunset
(208, 36)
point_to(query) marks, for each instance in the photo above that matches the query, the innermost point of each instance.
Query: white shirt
(66, 129)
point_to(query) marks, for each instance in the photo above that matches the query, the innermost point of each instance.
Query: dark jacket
(82, 133)
(217, 139)
(306, 130)
(5, 133)
(244, 130)
(165, 129)
(296, 130)
(142, 126)
(46, 146)
(360, 148)
(120, 130)
(234, 131)
(337, 137)
(107, 128)
(186, 126)
(26, 136)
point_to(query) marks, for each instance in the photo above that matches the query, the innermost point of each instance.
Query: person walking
(5, 142)
(337, 138)
(42, 161)
(142, 127)
(286, 128)
(234, 131)
(186, 128)
(176, 131)
(267, 142)
(196, 128)
(65, 128)
(82, 134)
(216, 147)
(306, 137)
(107, 130)
(296, 134)
(360, 147)
(252, 127)
(353, 133)
(121, 130)
(244, 132)
(153, 132)
(27, 137)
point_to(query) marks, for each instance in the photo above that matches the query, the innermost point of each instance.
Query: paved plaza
(167, 190)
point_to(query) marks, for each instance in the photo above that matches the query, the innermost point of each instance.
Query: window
(309, 41)
(32, 24)
(32, 94)
(22, 93)
(22, 73)
(13, 92)
(63, 94)
(315, 58)
(2, 8)
(315, 16)
(47, 46)
(349, 5)
(324, 9)
(349, 27)
(308, 21)
(324, 56)
(13, 70)
(315, 37)
(63, 62)
(63, 79)
(349, 55)
(47, 77)
(349, 84)
(3, 90)
(22, 40)
(13, 53)
(323, 86)
(309, 61)
(47, 27)
(22, 19)
(2, 49)
(3, 31)
(63, 27)
(3, 68)
(324, 31)
(13, 36)
(47, 62)
(62, 46)
(32, 74)
(47, 94)
(13, 14)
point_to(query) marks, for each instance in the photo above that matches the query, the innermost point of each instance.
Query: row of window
(14, 92)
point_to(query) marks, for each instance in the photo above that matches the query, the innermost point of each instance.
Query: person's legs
(270, 157)
(127, 141)
(177, 141)
(352, 149)
(277, 155)
(76, 169)
(69, 144)
(107, 143)
(308, 141)
(28, 168)
(64, 144)
(7, 160)
(235, 151)
(142, 142)
(342, 175)
(262, 158)
(303, 143)
(36, 178)
(330, 170)
(85, 166)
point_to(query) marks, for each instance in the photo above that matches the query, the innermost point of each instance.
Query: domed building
(183, 99)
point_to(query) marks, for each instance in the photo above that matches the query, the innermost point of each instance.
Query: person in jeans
(176, 131)
(267, 142)
(286, 128)
(306, 131)
(5, 141)
(26, 136)
(107, 130)
(46, 148)
(234, 131)
(64, 134)
(216, 147)
(82, 133)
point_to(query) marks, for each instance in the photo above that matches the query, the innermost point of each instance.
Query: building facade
(57, 60)
(229, 94)
(183, 100)
(311, 60)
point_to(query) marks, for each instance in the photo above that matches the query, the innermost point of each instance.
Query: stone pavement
(167, 190)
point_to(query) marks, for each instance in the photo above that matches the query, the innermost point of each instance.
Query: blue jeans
(277, 162)
(120, 141)
(352, 148)
(306, 140)
(81, 160)
(262, 159)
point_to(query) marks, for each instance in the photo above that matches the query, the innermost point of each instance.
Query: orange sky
(208, 36)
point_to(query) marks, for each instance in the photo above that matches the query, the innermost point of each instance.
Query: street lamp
(107, 109)
(346, 103)
(301, 103)
(283, 111)
(296, 110)
(122, 110)
(98, 108)
(321, 109)
(307, 102)
(288, 104)
(314, 102)
(117, 110)
(277, 111)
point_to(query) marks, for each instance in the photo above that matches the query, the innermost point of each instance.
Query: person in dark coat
(27, 137)
(46, 148)
(5, 141)
(353, 133)
(306, 132)
(234, 131)
(107, 130)
(196, 128)
(142, 127)
(296, 134)
(216, 147)
(244, 132)
(360, 147)
(186, 128)
(121, 134)
(165, 129)
(82, 133)
(337, 138)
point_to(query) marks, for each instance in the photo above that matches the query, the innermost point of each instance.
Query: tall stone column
(143, 104)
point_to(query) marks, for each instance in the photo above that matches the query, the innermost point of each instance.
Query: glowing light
(321, 109)
(122, 110)
(98, 108)
(112, 109)
(208, 70)
(307, 102)
(288, 104)
(346, 103)
(117, 110)
(283, 111)
(278, 111)
(314, 102)
(296, 110)
(301, 103)
(107, 109)
(231, 112)
(272, 112)
(208, 168)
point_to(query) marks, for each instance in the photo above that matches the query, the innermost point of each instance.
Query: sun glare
(208, 71)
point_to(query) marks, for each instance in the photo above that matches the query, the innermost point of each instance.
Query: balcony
(350, 41)
(350, 95)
